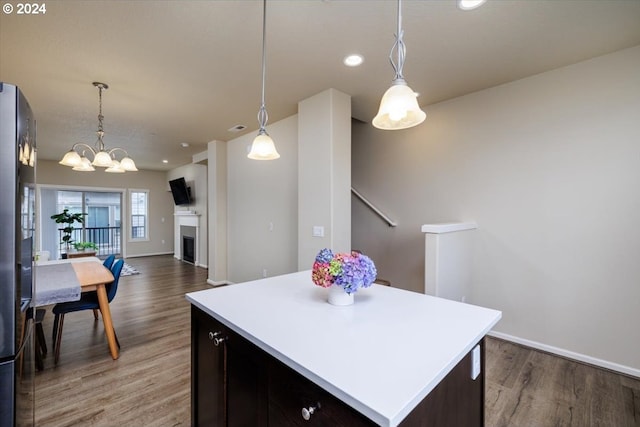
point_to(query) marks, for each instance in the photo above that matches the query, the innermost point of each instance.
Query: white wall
(262, 206)
(549, 167)
(196, 177)
(324, 174)
(160, 201)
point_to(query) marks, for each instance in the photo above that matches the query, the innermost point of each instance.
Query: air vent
(237, 128)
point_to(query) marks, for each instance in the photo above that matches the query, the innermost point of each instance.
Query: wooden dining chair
(88, 301)
(40, 349)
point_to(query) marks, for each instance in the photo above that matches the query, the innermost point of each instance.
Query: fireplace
(188, 249)
(186, 226)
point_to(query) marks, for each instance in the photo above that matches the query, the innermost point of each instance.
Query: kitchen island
(274, 352)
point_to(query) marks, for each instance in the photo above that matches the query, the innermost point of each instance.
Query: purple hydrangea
(324, 256)
(350, 271)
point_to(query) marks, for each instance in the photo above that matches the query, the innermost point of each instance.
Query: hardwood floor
(526, 387)
(149, 385)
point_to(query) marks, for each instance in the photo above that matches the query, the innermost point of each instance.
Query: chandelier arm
(118, 149)
(85, 146)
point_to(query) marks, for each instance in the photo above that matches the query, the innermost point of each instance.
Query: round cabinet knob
(216, 338)
(307, 412)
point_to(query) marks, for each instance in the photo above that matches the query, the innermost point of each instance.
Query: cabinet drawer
(289, 393)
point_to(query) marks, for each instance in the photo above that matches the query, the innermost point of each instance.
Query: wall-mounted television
(181, 193)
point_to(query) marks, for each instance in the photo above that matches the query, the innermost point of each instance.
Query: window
(102, 222)
(139, 202)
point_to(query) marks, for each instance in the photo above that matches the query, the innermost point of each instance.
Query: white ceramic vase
(337, 296)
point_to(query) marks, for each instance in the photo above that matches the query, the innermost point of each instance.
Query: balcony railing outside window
(107, 239)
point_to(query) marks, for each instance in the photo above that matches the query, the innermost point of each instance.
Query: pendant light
(263, 147)
(399, 107)
(102, 157)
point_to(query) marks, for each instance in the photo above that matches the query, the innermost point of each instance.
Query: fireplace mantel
(187, 219)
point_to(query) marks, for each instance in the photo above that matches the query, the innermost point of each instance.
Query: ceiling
(187, 71)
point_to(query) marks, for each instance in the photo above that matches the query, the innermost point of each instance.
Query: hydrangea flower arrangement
(350, 271)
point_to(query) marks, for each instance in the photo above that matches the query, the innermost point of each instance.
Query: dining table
(65, 280)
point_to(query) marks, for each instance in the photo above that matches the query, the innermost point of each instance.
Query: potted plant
(68, 219)
(81, 246)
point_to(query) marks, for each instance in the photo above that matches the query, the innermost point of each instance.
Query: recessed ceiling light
(470, 4)
(165, 161)
(353, 60)
(184, 144)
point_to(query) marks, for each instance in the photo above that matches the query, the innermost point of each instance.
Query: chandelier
(101, 156)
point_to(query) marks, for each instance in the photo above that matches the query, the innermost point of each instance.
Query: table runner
(56, 283)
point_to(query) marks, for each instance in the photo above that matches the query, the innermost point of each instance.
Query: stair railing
(364, 200)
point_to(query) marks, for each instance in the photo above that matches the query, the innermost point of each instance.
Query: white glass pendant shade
(102, 159)
(127, 164)
(263, 148)
(84, 166)
(32, 158)
(399, 108)
(72, 159)
(116, 167)
(470, 4)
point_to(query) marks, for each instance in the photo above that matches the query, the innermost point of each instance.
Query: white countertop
(382, 355)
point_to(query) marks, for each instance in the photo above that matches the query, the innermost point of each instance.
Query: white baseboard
(627, 370)
(219, 282)
(151, 254)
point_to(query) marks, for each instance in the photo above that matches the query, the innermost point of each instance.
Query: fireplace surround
(186, 224)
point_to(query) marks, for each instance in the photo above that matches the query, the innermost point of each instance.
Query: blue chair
(109, 261)
(88, 301)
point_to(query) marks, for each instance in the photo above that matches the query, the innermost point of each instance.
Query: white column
(447, 263)
(324, 175)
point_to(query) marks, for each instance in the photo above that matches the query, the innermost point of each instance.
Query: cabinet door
(208, 391)
(290, 394)
(457, 401)
(246, 383)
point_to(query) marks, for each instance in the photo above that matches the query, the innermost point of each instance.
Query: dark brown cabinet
(234, 383)
(208, 389)
(296, 401)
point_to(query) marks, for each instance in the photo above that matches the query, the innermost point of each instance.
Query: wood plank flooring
(149, 385)
(526, 387)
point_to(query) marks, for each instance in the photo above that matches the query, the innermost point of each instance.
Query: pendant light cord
(401, 50)
(263, 117)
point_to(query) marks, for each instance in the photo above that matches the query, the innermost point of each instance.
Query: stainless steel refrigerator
(17, 223)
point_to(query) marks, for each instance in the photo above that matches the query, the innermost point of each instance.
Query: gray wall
(160, 201)
(262, 206)
(549, 167)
